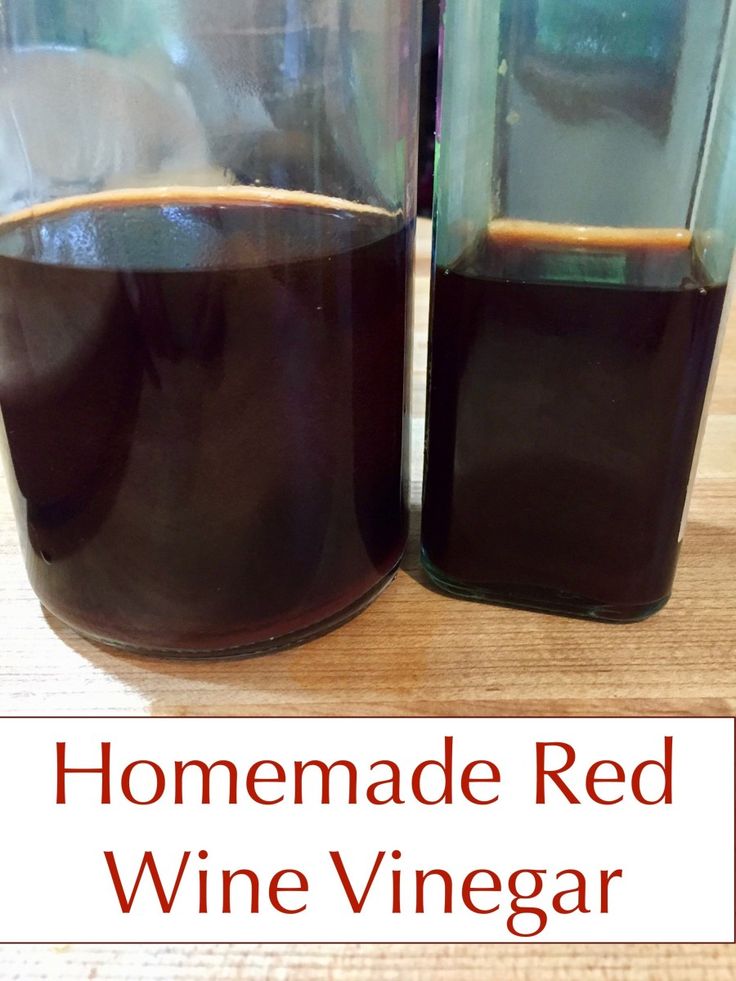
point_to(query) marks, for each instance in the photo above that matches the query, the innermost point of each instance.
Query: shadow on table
(379, 650)
(412, 564)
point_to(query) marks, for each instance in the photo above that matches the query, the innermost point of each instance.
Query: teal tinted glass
(597, 31)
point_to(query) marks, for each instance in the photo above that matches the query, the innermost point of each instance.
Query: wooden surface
(413, 653)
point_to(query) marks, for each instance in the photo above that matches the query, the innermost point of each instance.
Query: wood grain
(414, 652)
(361, 962)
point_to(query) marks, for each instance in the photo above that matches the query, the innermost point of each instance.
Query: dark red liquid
(562, 428)
(205, 414)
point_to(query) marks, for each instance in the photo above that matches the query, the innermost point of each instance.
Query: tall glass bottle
(585, 225)
(206, 225)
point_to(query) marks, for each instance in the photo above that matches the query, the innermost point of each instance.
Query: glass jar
(207, 215)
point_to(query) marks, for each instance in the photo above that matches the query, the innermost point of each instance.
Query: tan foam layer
(540, 234)
(137, 197)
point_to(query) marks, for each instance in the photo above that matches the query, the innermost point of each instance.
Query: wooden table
(413, 653)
